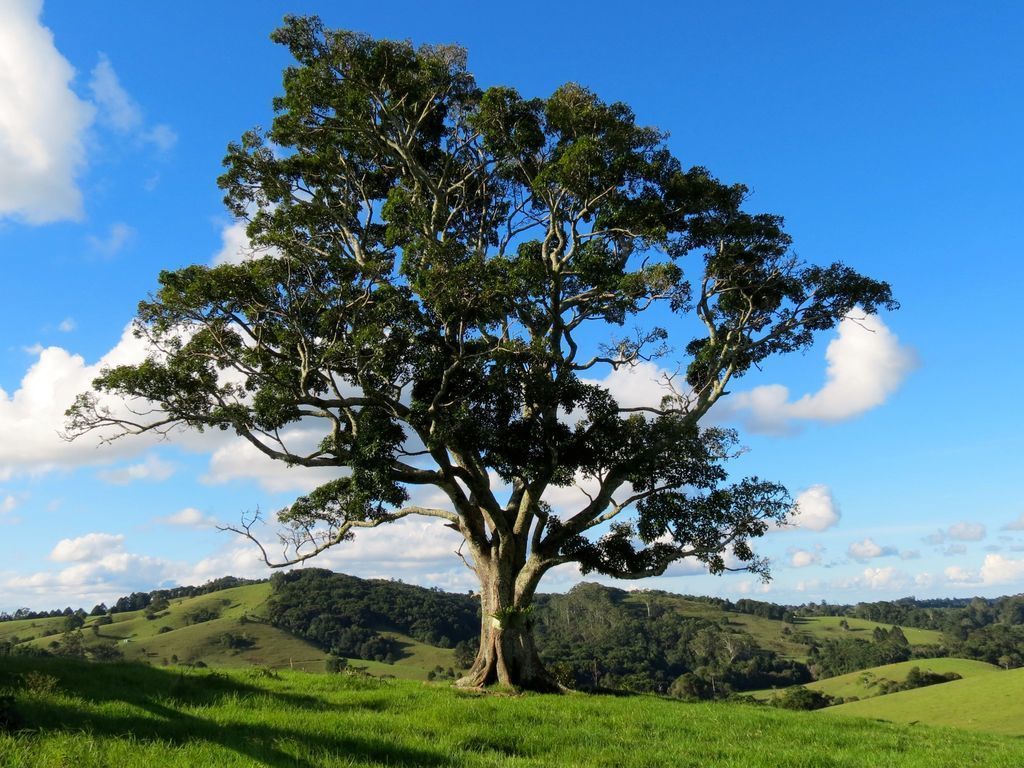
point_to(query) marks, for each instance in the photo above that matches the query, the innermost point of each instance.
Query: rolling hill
(865, 683)
(173, 636)
(989, 702)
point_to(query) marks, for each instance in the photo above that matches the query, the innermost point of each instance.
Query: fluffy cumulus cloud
(234, 245)
(866, 365)
(638, 386)
(995, 571)
(879, 579)
(42, 121)
(802, 558)
(241, 460)
(815, 510)
(750, 587)
(999, 570)
(91, 546)
(957, 575)
(34, 415)
(868, 549)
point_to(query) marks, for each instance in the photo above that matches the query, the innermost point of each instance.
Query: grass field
(168, 639)
(824, 627)
(864, 684)
(989, 702)
(131, 715)
(767, 633)
(771, 634)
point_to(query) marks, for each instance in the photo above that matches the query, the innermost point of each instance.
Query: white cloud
(640, 386)
(119, 110)
(189, 517)
(866, 365)
(924, 580)
(749, 586)
(1002, 570)
(161, 136)
(802, 558)
(1015, 525)
(868, 549)
(882, 579)
(35, 413)
(815, 510)
(957, 574)
(965, 531)
(241, 460)
(87, 583)
(67, 325)
(42, 121)
(91, 546)
(808, 585)
(152, 469)
(8, 503)
(572, 498)
(119, 236)
(234, 245)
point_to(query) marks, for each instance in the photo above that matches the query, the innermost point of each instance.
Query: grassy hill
(823, 627)
(987, 702)
(133, 715)
(174, 636)
(864, 683)
(170, 637)
(774, 634)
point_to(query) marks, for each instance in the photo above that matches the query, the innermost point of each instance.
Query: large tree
(444, 272)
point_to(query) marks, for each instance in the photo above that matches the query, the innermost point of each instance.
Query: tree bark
(508, 654)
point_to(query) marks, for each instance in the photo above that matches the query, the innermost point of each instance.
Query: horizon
(902, 160)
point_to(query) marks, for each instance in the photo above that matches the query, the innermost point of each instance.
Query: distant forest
(599, 637)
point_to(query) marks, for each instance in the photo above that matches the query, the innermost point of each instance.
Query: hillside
(864, 683)
(136, 716)
(824, 627)
(987, 702)
(173, 635)
(595, 636)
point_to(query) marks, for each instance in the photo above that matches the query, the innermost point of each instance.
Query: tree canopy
(441, 273)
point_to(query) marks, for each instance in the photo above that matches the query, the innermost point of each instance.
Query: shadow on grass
(163, 694)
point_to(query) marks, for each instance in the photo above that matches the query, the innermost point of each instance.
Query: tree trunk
(507, 655)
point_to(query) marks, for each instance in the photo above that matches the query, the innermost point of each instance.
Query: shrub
(336, 664)
(39, 683)
(799, 697)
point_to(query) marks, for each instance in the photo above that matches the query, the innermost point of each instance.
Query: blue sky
(889, 138)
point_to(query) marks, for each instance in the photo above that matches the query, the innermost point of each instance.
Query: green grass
(141, 639)
(823, 627)
(987, 702)
(132, 715)
(767, 633)
(864, 684)
(241, 610)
